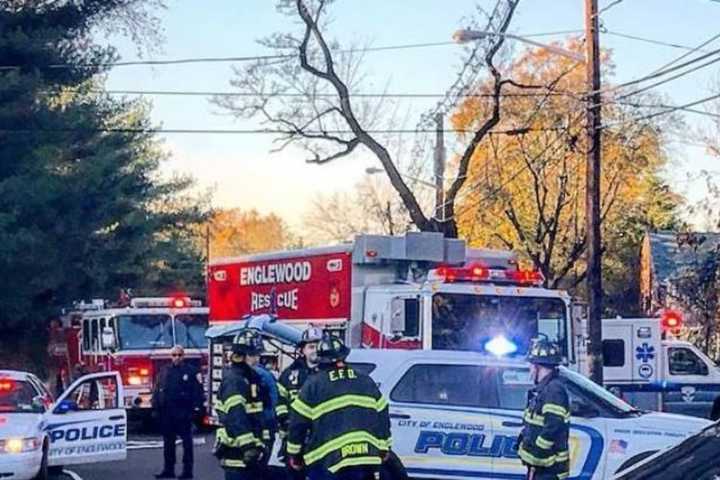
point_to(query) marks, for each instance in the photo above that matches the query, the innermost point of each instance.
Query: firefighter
(291, 381)
(177, 397)
(543, 443)
(339, 426)
(242, 399)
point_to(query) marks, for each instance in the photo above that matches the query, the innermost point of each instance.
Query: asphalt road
(145, 459)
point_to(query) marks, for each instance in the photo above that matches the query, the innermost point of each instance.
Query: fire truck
(420, 291)
(135, 339)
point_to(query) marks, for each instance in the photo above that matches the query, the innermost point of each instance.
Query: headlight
(20, 445)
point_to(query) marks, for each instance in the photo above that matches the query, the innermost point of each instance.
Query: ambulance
(648, 367)
(38, 436)
(420, 291)
(457, 415)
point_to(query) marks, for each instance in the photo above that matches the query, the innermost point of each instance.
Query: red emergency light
(671, 320)
(526, 276)
(179, 302)
(6, 385)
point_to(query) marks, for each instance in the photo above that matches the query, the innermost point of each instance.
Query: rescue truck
(136, 340)
(648, 367)
(420, 291)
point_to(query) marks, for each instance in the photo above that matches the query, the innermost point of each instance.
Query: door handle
(402, 416)
(512, 424)
(117, 417)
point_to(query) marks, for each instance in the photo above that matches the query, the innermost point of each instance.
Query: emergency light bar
(164, 302)
(479, 273)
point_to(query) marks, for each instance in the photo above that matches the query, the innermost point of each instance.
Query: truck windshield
(467, 322)
(144, 332)
(190, 330)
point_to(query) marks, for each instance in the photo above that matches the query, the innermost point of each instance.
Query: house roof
(669, 257)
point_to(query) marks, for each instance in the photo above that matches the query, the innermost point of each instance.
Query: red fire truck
(417, 291)
(136, 340)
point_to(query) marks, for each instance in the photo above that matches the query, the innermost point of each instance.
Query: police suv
(457, 415)
(86, 424)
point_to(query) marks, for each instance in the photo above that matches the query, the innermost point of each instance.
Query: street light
(376, 170)
(466, 35)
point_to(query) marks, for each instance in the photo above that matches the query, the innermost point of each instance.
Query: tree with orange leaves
(526, 192)
(238, 232)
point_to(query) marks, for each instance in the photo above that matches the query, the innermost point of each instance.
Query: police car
(86, 424)
(457, 415)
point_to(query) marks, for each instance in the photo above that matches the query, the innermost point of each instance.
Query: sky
(243, 173)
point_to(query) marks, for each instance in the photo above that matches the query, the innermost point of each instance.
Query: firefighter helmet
(310, 335)
(331, 350)
(247, 343)
(544, 352)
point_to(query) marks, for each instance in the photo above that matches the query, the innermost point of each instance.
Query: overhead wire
(664, 112)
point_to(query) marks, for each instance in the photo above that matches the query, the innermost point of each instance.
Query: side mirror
(38, 404)
(397, 315)
(583, 410)
(66, 406)
(108, 339)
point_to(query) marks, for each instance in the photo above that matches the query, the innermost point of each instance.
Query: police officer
(339, 426)
(242, 399)
(544, 438)
(178, 395)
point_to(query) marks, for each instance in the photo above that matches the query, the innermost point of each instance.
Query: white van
(457, 415)
(656, 373)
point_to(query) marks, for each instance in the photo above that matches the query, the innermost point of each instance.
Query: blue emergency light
(500, 346)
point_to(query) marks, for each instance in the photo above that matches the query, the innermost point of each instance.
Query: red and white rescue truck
(420, 291)
(135, 340)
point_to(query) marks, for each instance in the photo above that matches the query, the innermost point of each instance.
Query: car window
(95, 394)
(613, 352)
(17, 396)
(461, 385)
(513, 385)
(684, 361)
(366, 368)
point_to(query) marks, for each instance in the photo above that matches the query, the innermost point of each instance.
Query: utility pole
(592, 205)
(439, 168)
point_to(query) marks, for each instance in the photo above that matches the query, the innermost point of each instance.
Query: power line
(651, 41)
(664, 112)
(696, 49)
(669, 79)
(318, 95)
(511, 132)
(660, 105)
(609, 6)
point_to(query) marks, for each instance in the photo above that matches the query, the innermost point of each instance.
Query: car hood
(669, 422)
(19, 425)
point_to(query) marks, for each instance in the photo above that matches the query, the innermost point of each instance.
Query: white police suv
(86, 424)
(457, 415)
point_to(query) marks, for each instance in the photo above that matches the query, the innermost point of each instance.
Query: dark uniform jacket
(544, 438)
(291, 381)
(177, 393)
(340, 419)
(241, 400)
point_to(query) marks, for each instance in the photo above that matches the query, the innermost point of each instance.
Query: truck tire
(637, 458)
(43, 473)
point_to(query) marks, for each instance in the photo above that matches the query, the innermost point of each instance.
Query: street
(145, 459)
